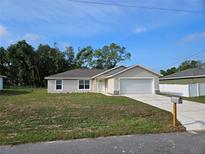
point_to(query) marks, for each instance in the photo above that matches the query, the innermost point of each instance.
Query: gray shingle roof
(77, 73)
(189, 73)
(2, 76)
(115, 70)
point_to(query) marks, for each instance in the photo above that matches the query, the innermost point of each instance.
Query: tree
(188, 64)
(50, 61)
(4, 61)
(108, 56)
(168, 71)
(84, 57)
(21, 63)
(24, 65)
(70, 57)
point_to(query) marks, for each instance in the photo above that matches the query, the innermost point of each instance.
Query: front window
(84, 84)
(58, 84)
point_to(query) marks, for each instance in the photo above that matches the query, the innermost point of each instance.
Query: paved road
(171, 143)
(190, 114)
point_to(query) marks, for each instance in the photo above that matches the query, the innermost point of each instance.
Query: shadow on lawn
(13, 92)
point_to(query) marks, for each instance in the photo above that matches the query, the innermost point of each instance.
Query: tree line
(25, 65)
(188, 64)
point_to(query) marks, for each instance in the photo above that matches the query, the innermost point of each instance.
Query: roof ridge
(189, 69)
(108, 70)
(87, 68)
(188, 73)
(78, 72)
(3, 76)
(133, 66)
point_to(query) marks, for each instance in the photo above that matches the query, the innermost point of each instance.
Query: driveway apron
(190, 114)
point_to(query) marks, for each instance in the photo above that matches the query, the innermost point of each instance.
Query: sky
(156, 39)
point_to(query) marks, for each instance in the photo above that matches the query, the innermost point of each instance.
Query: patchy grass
(33, 115)
(200, 99)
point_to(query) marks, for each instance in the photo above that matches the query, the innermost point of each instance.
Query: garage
(136, 86)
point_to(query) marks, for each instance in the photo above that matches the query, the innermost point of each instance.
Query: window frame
(59, 84)
(84, 84)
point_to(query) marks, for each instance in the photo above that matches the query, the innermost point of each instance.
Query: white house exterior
(186, 90)
(117, 81)
(188, 83)
(1, 82)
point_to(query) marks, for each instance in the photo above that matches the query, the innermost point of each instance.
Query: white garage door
(136, 86)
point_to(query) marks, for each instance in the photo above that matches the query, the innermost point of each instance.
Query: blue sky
(156, 39)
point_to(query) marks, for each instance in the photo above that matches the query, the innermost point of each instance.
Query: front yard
(33, 115)
(200, 99)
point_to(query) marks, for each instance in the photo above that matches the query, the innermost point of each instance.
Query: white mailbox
(177, 100)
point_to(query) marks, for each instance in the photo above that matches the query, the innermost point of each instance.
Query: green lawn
(200, 99)
(33, 115)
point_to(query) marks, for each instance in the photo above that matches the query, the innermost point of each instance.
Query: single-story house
(1, 81)
(188, 83)
(118, 80)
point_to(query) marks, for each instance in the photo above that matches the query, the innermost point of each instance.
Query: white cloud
(3, 32)
(62, 17)
(31, 37)
(140, 30)
(194, 37)
(68, 18)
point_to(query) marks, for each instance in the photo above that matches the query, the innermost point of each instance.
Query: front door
(101, 86)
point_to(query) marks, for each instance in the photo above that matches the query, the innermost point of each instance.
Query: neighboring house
(188, 83)
(1, 82)
(120, 80)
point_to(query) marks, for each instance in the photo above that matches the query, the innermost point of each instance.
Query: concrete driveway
(190, 114)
